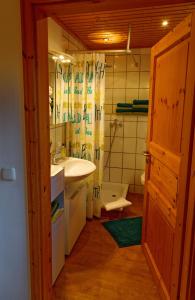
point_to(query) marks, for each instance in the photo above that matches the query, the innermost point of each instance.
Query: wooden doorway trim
(35, 69)
(34, 45)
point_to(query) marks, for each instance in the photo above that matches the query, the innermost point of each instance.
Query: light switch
(8, 174)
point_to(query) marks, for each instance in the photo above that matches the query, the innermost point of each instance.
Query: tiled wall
(126, 81)
(60, 40)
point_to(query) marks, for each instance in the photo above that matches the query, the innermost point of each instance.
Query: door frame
(184, 30)
(36, 95)
(35, 68)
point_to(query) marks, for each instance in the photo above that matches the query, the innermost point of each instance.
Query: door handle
(147, 154)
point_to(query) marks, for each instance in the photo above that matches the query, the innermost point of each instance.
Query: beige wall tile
(140, 162)
(109, 81)
(130, 129)
(117, 144)
(128, 176)
(116, 160)
(108, 108)
(133, 65)
(106, 174)
(142, 130)
(110, 63)
(130, 118)
(120, 63)
(118, 95)
(119, 80)
(108, 96)
(132, 80)
(129, 145)
(145, 62)
(144, 79)
(131, 94)
(106, 143)
(106, 128)
(143, 94)
(115, 175)
(119, 131)
(128, 161)
(141, 146)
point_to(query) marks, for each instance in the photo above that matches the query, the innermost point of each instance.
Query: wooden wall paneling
(145, 21)
(89, 6)
(34, 34)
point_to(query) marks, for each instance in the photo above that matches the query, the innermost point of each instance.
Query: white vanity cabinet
(75, 215)
(58, 222)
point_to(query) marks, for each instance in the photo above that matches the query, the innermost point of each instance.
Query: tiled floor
(98, 269)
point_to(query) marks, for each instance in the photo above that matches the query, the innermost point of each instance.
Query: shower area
(85, 121)
(127, 81)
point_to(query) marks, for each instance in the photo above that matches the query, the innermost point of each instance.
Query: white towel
(119, 203)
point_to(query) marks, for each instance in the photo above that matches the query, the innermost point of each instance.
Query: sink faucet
(54, 158)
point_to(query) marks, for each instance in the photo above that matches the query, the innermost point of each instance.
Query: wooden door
(169, 136)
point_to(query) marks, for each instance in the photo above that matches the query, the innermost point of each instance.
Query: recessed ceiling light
(165, 23)
(106, 40)
(54, 57)
(61, 57)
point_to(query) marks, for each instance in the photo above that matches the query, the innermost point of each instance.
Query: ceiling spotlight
(165, 23)
(106, 39)
(61, 57)
(54, 57)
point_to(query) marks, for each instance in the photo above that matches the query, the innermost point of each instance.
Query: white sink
(76, 169)
(55, 169)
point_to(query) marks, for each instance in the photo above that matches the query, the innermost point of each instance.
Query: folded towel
(140, 109)
(119, 110)
(139, 106)
(119, 203)
(124, 105)
(145, 102)
(132, 110)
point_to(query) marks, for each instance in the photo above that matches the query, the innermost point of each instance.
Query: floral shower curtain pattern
(85, 117)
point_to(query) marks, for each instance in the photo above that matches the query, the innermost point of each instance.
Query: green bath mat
(126, 232)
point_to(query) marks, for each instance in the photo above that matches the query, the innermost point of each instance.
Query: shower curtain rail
(118, 51)
(99, 51)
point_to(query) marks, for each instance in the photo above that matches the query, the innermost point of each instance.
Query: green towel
(139, 106)
(124, 105)
(143, 102)
(131, 110)
(140, 109)
(119, 110)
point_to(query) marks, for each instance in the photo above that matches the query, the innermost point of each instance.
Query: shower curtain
(85, 117)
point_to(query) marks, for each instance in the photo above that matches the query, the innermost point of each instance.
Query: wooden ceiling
(93, 21)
